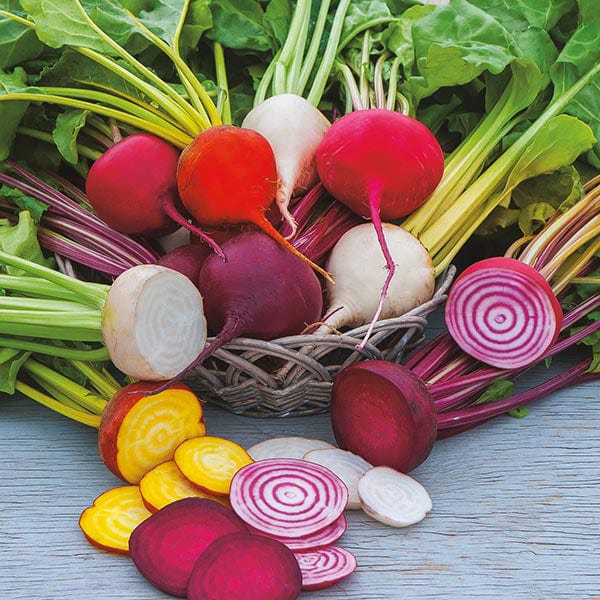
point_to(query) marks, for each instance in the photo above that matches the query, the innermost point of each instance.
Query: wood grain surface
(516, 509)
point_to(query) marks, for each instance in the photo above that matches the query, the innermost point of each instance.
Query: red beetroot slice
(324, 567)
(167, 544)
(330, 534)
(287, 497)
(243, 566)
(503, 312)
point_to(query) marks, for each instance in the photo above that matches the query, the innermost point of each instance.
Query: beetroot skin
(125, 186)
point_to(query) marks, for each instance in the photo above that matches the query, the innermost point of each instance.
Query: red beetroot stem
(322, 235)
(62, 205)
(473, 416)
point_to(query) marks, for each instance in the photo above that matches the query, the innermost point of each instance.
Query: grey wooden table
(516, 510)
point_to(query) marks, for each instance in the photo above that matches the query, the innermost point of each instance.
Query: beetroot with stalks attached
(260, 291)
(133, 188)
(187, 260)
(244, 566)
(166, 546)
(382, 165)
(383, 412)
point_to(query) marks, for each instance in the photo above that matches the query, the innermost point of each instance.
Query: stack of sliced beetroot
(301, 505)
(196, 548)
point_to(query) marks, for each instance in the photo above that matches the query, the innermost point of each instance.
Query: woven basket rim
(299, 374)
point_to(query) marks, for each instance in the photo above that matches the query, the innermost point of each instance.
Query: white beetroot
(294, 128)
(392, 497)
(153, 324)
(347, 466)
(359, 269)
(285, 447)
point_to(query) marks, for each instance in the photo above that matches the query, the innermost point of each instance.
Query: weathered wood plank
(516, 510)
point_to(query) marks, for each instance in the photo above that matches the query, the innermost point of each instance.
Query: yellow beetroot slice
(211, 462)
(244, 566)
(109, 523)
(166, 483)
(138, 432)
(165, 546)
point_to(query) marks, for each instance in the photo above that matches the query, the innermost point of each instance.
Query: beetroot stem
(171, 211)
(474, 416)
(375, 189)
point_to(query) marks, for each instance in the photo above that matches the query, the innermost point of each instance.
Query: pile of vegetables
(179, 171)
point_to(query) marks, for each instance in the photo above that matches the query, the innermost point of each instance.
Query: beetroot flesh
(325, 567)
(244, 566)
(187, 260)
(384, 413)
(167, 544)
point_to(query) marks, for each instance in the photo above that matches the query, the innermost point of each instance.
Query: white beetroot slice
(286, 447)
(114, 515)
(329, 535)
(287, 497)
(392, 497)
(153, 322)
(165, 484)
(325, 567)
(347, 466)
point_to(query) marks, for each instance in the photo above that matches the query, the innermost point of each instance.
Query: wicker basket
(292, 376)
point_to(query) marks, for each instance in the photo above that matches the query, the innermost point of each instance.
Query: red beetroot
(243, 566)
(166, 546)
(383, 412)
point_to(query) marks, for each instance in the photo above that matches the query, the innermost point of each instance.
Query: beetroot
(133, 188)
(261, 291)
(243, 566)
(325, 567)
(187, 260)
(287, 497)
(383, 412)
(167, 544)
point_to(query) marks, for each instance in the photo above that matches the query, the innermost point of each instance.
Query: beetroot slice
(243, 566)
(330, 534)
(324, 567)
(503, 312)
(166, 548)
(383, 412)
(287, 497)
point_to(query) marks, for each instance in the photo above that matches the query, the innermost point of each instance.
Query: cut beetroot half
(325, 567)
(503, 312)
(243, 566)
(383, 412)
(329, 535)
(287, 497)
(167, 544)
